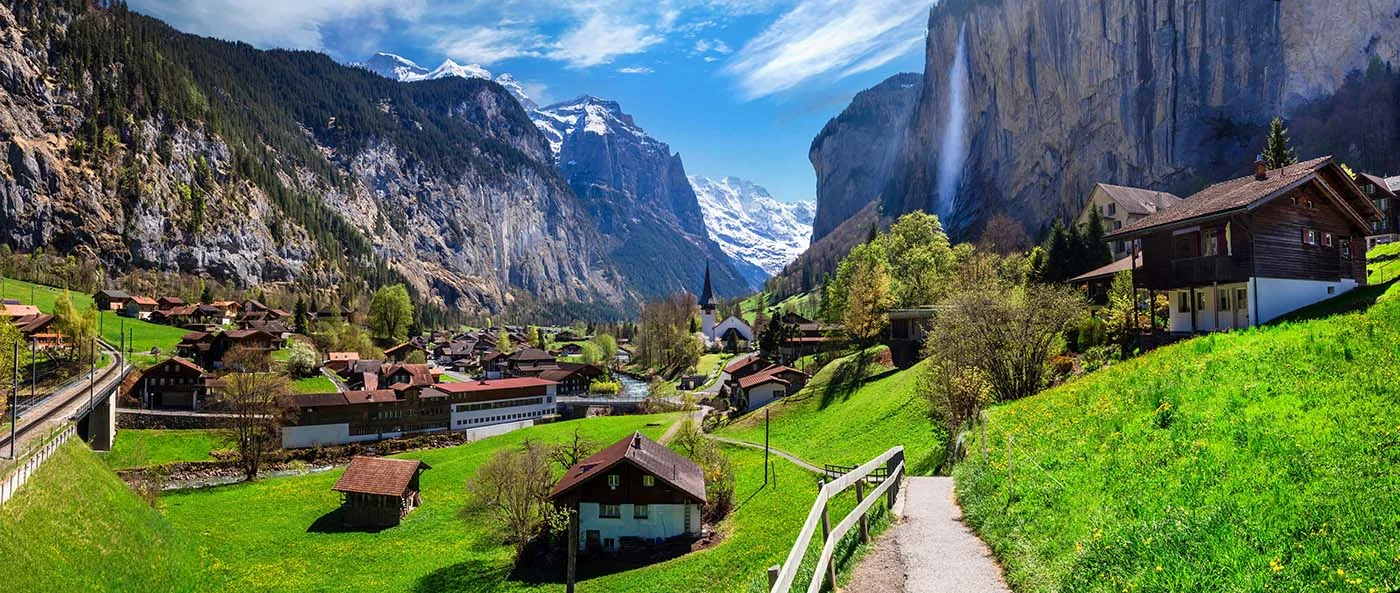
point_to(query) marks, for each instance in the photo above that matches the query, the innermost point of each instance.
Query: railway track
(74, 391)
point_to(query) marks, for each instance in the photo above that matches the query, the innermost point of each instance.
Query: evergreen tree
(205, 295)
(1277, 152)
(300, 317)
(1057, 253)
(1096, 249)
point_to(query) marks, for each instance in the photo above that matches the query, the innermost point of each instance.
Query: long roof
(649, 456)
(492, 384)
(1136, 200)
(740, 362)
(379, 475)
(1232, 195)
(767, 375)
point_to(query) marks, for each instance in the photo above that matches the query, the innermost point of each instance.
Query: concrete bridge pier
(98, 427)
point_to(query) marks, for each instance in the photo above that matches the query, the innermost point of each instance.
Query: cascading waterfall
(952, 152)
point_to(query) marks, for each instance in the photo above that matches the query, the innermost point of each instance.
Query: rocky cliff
(1052, 97)
(854, 154)
(638, 194)
(146, 148)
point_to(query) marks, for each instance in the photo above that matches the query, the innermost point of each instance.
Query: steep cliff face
(192, 155)
(637, 192)
(1168, 94)
(854, 154)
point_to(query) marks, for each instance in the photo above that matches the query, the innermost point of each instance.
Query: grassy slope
(140, 448)
(1257, 460)
(315, 384)
(76, 527)
(836, 420)
(144, 335)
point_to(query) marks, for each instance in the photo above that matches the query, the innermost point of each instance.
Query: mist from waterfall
(952, 151)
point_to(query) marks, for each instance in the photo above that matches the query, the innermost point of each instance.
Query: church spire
(707, 293)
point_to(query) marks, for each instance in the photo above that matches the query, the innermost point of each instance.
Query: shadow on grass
(465, 577)
(1357, 299)
(336, 522)
(849, 376)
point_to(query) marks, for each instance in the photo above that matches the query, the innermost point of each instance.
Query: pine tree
(1096, 249)
(1277, 152)
(1058, 253)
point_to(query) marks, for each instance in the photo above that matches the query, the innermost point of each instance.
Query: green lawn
(144, 335)
(314, 384)
(77, 527)
(1260, 460)
(839, 420)
(141, 448)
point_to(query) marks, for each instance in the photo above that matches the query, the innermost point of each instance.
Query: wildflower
(1276, 564)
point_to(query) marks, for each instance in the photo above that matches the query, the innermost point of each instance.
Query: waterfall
(952, 151)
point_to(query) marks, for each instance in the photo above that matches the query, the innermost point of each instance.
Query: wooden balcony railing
(1210, 268)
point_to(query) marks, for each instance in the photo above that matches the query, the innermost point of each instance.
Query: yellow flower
(1159, 568)
(1341, 572)
(1276, 564)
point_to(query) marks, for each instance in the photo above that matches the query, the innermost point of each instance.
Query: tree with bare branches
(569, 453)
(512, 489)
(253, 402)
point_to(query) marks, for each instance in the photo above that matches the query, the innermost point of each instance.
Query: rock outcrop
(1166, 94)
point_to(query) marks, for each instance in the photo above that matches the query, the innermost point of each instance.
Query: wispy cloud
(830, 38)
(635, 70)
(488, 45)
(602, 38)
(297, 24)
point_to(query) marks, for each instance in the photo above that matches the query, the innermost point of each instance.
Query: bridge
(84, 407)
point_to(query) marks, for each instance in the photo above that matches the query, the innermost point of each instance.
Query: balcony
(1209, 269)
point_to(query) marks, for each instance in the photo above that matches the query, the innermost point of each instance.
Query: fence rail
(31, 463)
(891, 464)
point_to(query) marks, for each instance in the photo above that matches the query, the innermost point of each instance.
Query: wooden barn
(379, 491)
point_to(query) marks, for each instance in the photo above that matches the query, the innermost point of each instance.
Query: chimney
(1260, 170)
(636, 440)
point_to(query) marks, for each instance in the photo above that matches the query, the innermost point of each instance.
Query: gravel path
(798, 462)
(940, 554)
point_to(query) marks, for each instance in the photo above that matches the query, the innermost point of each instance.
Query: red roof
(140, 300)
(379, 475)
(345, 356)
(770, 374)
(649, 456)
(493, 384)
(739, 363)
(376, 396)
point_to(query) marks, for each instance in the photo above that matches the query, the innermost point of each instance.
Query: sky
(737, 87)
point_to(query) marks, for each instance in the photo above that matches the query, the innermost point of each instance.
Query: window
(1200, 301)
(609, 511)
(1224, 300)
(1346, 248)
(1311, 206)
(639, 511)
(614, 481)
(1327, 239)
(1182, 304)
(1309, 237)
(648, 481)
(609, 543)
(1112, 209)
(1210, 242)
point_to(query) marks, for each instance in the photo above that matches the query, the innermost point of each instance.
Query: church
(732, 334)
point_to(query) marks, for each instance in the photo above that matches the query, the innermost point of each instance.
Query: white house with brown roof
(1120, 206)
(635, 489)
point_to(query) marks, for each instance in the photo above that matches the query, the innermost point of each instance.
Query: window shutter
(1222, 246)
(1305, 236)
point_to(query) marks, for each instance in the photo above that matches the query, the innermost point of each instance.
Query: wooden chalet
(1119, 206)
(400, 352)
(635, 490)
(1383, 193)
(1248, 250)
(379, 491)
(110, 300)
(764, 386)
(167, 302)
(139, 307)
(176, 383)
(573, 378)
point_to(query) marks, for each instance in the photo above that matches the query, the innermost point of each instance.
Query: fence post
(773, 576)
(890, 467)
(826, 535)
(865, 516)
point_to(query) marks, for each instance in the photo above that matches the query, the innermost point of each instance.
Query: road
(64, 403)
(938, 551)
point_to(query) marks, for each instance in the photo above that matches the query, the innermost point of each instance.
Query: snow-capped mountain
(403, 69)
(589, 114)
(751, 225)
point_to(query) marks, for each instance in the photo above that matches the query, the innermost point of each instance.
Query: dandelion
(1276, 564)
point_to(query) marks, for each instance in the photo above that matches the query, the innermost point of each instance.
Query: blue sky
(737, 87)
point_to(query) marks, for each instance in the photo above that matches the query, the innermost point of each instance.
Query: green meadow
(135, 448)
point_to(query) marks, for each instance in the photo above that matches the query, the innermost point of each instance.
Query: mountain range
(752, 226)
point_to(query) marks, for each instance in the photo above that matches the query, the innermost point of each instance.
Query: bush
(302, 359)
(1099, 357)
(1089, 333)
(603, 386)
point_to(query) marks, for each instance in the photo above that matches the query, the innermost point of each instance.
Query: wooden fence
(891, 465)
(26, 468)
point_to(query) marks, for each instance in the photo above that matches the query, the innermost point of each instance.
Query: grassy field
(1260, 460)
(144, 335)
(314, 384)
(77, 527)
(840, 420)
(141, 448)
(279, 534)
(1383, 263)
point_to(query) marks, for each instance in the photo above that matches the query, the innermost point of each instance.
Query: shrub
(604, 386)
(1099, 357)
(302, 359)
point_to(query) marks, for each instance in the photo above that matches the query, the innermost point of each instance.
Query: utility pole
(765, 446)
(14, 401)
(92, 377)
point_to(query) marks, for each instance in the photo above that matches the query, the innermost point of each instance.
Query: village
(1239, 254)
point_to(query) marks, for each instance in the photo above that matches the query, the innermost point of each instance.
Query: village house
(1382, 192)
(37, 328)
(745, 365)
(176, 383)
(339, 361)
(908, 328)
(400, 352)
(811, 337)
(634, 490)
(571, 349)
(403, 377)
(1120, 206)
(529, 362)
(573, 378)
(756, 390)
(110, 300)
(167, 302)
(1248, 250)
(379, 491)
(480, 408)
(139, 307)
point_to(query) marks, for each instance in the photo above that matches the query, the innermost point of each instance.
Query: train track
(106, 376)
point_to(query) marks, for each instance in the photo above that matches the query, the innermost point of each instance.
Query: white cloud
(636, 70)
(833, 38)
(488, 45)
(711, 59)
(602, 38)
(298, 24)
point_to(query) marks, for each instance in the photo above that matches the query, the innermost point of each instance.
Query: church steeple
(707, 293)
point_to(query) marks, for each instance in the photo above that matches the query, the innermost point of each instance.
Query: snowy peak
(405, 70)
(393, 66)
(751, 225)
(451, 68)
(585, 115)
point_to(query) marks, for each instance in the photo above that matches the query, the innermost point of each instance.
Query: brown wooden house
(379, 491)
(635, 489)
(110, 300)
(1248, 250)
(176, 383)
(573, 378)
